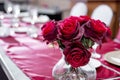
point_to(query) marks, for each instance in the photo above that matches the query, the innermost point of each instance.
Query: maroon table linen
(36, 59)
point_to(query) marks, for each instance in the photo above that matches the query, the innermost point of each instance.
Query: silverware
(115, 78)
(111, 69)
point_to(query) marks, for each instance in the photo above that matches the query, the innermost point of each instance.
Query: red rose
(107, 37)
(83, 19)
(76, 54)
(95, 30)
(49, 31)
(99, 26)
(74, 18)
(69, 29)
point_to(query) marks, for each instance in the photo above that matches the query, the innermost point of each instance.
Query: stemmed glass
(1, 16)
(8, 6)
(33, 13)
(95, 54)
(16, 12)
(4, 29)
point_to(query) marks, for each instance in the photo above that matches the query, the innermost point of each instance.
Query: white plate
(28, 20)
(44, 18)
(4, 31)
(23, 14)
(113, 57)
(20, 29)
(41, 19)
(94, 62)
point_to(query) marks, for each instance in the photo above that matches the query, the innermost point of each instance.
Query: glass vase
(64, 71)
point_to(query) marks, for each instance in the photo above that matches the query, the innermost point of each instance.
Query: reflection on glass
(95, 54)
(33, 14)
(1, 15)
(16, 12)
(8, 6)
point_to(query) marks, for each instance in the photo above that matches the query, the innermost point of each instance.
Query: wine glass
(95, 54)
(1, 15)
(33, 14)
(8, 6)
(4, 29)
(16, 12)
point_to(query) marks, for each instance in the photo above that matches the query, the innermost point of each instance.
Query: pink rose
(76, 54)
(49, 31)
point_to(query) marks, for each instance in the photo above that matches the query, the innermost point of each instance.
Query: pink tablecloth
(103, 72)
(33, 57)
(36, 59)
(118, 34)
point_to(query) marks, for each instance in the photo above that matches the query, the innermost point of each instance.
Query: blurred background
(107, 11)
(60, 9)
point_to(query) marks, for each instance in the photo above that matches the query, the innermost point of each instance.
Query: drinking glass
(16, 12)
(33, 14)
(95, 54)
(8, 6)
(1, 15)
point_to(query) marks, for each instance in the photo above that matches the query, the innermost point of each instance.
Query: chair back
(104, 13)
(79, 9)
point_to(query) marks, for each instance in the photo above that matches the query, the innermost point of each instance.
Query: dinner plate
(23, 14)
(41, 19)
(20, 29)
(113, 57)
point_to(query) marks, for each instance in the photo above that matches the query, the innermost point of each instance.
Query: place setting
(75, 42)
(40, 19)
(113, 57)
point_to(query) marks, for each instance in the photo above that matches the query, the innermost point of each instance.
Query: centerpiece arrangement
(75, 35)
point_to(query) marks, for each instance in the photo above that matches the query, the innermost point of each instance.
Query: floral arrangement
(75, 35)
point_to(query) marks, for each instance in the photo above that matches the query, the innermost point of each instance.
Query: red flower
(81, 19)
(49, 31)
(108, 35)
(95, 30)
(84, 19)
(74, 18)
(69, 29)
(74, 35)
(76, 54)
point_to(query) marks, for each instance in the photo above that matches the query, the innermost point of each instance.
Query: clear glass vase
(64, 71)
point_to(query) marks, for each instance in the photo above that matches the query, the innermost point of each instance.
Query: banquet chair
(117, 38)
(104, 13)
(79, 9)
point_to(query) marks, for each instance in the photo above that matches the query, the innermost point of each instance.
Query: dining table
(23, 57)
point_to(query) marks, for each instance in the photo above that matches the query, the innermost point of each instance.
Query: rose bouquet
(75, 35)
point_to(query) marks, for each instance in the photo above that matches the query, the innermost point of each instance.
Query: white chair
(104, 13)
(117, 38)
(79, 9)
